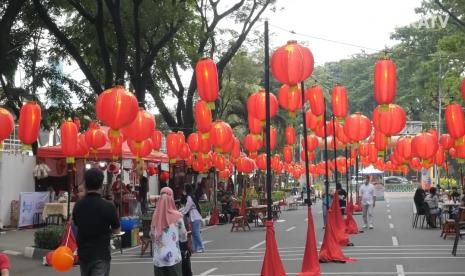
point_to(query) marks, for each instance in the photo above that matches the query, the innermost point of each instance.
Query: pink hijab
(165, 213)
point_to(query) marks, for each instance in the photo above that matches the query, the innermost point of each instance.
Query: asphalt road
(391, 248)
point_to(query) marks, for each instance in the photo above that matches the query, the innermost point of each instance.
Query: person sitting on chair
(432, 200)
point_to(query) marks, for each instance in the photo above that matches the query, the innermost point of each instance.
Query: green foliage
(49, 237)
(448, 182)
(205, 208)
(278, 195)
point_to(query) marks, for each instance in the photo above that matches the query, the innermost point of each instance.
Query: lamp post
(307, 174)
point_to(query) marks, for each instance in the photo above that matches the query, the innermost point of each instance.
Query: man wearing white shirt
(367, 193)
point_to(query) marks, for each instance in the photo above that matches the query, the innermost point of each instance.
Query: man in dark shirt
(143, 190)
(342, 196)
(95, 219)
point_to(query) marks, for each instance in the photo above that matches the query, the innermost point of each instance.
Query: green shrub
(205, 208)
(49, 237)
(448, 182)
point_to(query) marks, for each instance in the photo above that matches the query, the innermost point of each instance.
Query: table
(56, 208)
(255, 210)
(118, 237)
(449, 204)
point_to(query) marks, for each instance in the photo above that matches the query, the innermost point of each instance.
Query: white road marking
(391, 225)
(395, 242)
(400, 270)
(290, 229)
(118, 251)
(280, 220)
(389, 217)
(388, 205)
(208, 271)
(388, 210)
(257, 245)
(209, 227)
(12, 252)
(320, 212)
(205, 242)
(306, 219)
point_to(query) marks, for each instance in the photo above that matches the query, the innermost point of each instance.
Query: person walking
(143, 190)
(367, 193)
(167, 231)
(342, 194)
(95, 219)
(192, 209)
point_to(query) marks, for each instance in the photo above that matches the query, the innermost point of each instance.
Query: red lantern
(381, 141)
(357, 127)
(255, 125)
(440, 156)
(390, 119)
(315, 96)
(312, 142)
(288, 154)
(7, 124)
(142, 126)
(116, 146)
(140, 149)
(69, 140)
(404, 147)
(173, 146)
(290, 99)
(261, 161)
(320, 132)
(116, 107)
(29, 123)
(194, 141)
(83, 148)
(455, 120)
(164, 176)
(156, 140)
(372, 153)
(385, 81)
(236, 151)
(415, 164)
(363, 150)
(205, 145)
(185, 151)
(339, 101)
(207, 81)
(462, 89)
(256, 105)
(424, 145)
(292, 63)
(313, 122)
(220, 135)
(311, 155)
(203, 117)
(95, 137)
(275, 160)
(290, 135)
(453, 153)
(273, 137)
(446, 141)
(252, 143)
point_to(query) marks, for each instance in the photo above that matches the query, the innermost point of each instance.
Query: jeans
(95, 268)
(175, 270)
(325, 214)
(196, 237)
(367, 209)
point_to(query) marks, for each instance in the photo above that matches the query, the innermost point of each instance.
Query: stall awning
(370, 170)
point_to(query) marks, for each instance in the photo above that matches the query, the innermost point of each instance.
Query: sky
(367, 23)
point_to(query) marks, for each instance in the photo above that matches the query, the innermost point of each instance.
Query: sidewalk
(15, 241)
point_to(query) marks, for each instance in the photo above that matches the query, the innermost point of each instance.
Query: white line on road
(400, 270)
(388, 210)
(208, 271)
(389, 217)
(388, 205)
(257, 245)
(391, 225)
(209, 227)
(205, 242)
(290, 229)
(12, 252)
(319, 212)
(395, 242)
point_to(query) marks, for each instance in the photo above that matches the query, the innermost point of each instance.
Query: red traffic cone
(215, 217)
(310, 264)
(339, 226)
(272, 264)
(351, 224)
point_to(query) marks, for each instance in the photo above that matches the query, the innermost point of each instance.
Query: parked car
(395, 180)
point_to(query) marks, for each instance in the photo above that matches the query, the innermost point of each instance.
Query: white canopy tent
(370, 170)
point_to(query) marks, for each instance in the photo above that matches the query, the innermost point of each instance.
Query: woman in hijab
(167, 231)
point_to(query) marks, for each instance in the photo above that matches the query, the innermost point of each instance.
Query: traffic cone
(272, 264)
(310, 264)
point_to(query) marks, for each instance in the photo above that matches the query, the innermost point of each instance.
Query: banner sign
(31, 203)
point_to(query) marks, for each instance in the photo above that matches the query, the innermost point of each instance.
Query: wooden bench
(239, 222)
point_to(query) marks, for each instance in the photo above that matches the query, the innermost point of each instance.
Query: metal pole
(69, 173)
(356, 178)
(438, 172)
(347, 170)
(307, 173)
(326, 159)
(268, 124)
(334, 148)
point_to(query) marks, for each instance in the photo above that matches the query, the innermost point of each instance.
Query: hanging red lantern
(363, 149)
(69, 140)
(7, 124)
(116, 146)
(219, 162)
(273, 137)
(29, 123)
(385, 81)
(288, 154)
(256, 106)
(236, 151)
(173, 146)
(140, 149)
(404, 147)
(292, 63)
(372, 153)
(252, 143)
(220, 135)
(453, 153)
(312, 142)
(206, 76)
(224, 175)
(315, 96)
(116, 108)
(142, 126)
(194, 141)
(313, 122)
(381, 141)
(357, 127)
(157, 136)
(339, 101)
(455, 121)
(446, 141)
(185, 151)
(83, 148)
(415, 164)
(205, 145)
(289, 133)
(311, 155)
(290, 99)
(390, 119)
(203, 117)
(95, 137)
(320, 132)
(255, 125)
(261, 161)
(440, 156)
(275, 160)
(424, 145)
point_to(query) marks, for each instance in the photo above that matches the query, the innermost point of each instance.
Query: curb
(205, 222)
(35, 253)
